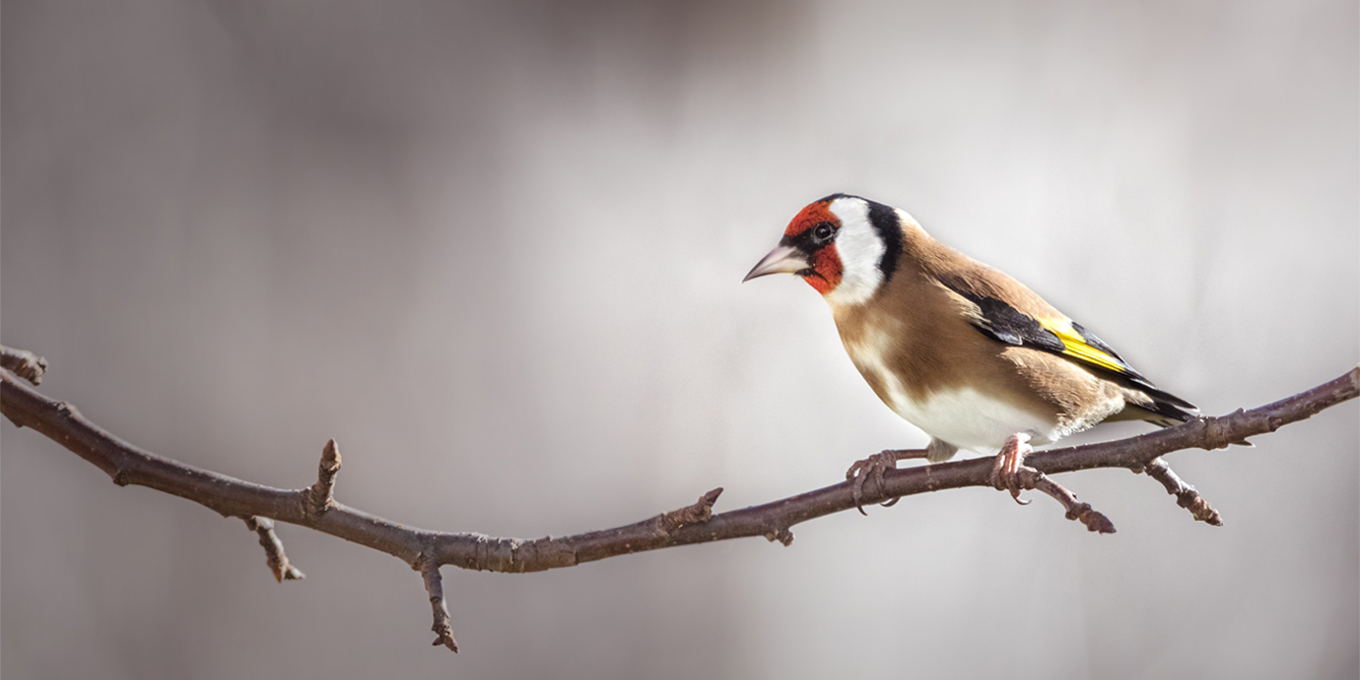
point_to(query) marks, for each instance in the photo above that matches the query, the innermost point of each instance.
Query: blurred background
(494, 248)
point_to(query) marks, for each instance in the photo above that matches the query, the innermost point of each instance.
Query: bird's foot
(875, 466)
(1011, 474)
(1006, 473)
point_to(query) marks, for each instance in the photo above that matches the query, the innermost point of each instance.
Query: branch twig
(434, 585)
(127, 464)
(1076, 510)
(273, 549)
(24, 364)
(321, 496)
(1186, 496)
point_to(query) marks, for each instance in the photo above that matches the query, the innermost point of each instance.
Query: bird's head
(844, 246)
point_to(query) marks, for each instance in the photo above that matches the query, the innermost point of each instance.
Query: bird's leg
(876, 465)
(1006, 471)
(1011, 474)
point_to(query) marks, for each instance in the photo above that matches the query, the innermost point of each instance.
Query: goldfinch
(960, 350)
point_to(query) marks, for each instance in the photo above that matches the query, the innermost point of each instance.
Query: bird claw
(1006, 472)
(875, 466)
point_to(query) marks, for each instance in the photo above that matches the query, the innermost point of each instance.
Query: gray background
(494, 249)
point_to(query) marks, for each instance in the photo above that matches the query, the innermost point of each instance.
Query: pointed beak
(782, 260)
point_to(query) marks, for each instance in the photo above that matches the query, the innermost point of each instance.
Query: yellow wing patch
(1076, 346)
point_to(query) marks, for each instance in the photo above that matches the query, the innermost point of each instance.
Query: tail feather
(1157, 407)
(1167, 398)
(1164, 413)
(1167, 410)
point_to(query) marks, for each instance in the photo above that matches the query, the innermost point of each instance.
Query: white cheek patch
(860, 250)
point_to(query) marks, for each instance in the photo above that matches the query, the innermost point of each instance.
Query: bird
(969, 355)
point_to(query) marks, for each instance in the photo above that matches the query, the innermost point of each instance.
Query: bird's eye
(822, 232)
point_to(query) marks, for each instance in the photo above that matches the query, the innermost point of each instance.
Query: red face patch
(826, 269)
(826, 262)
(811, 216)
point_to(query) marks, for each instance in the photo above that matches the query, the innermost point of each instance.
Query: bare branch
(1186, 496)
(700, 512)
(1094, 521)
(24, 364)
(321, 496)
(434, 585)
(273, 549)
(314, 507)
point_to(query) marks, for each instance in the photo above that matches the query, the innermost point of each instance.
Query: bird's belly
(962, 416)
(972, 420)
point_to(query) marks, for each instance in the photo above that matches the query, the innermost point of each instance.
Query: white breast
(963, 417)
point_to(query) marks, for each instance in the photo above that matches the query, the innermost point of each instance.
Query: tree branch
(1076, 510)
(434, 585)
(24, 364)
(320, 497)
(273, 549)
(314, 507)
(1186, 496)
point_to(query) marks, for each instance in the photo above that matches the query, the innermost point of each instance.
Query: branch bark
(434, 585)
(313, 507)
(24, 364)
(282, 569)
(1186, 496)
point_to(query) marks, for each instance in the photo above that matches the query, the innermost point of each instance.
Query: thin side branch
(321, 496)
(1186, 496)
(127, 464)
(24, 364)
(434, 585)
(1083, 512)
(273, 549)
(700, 512)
